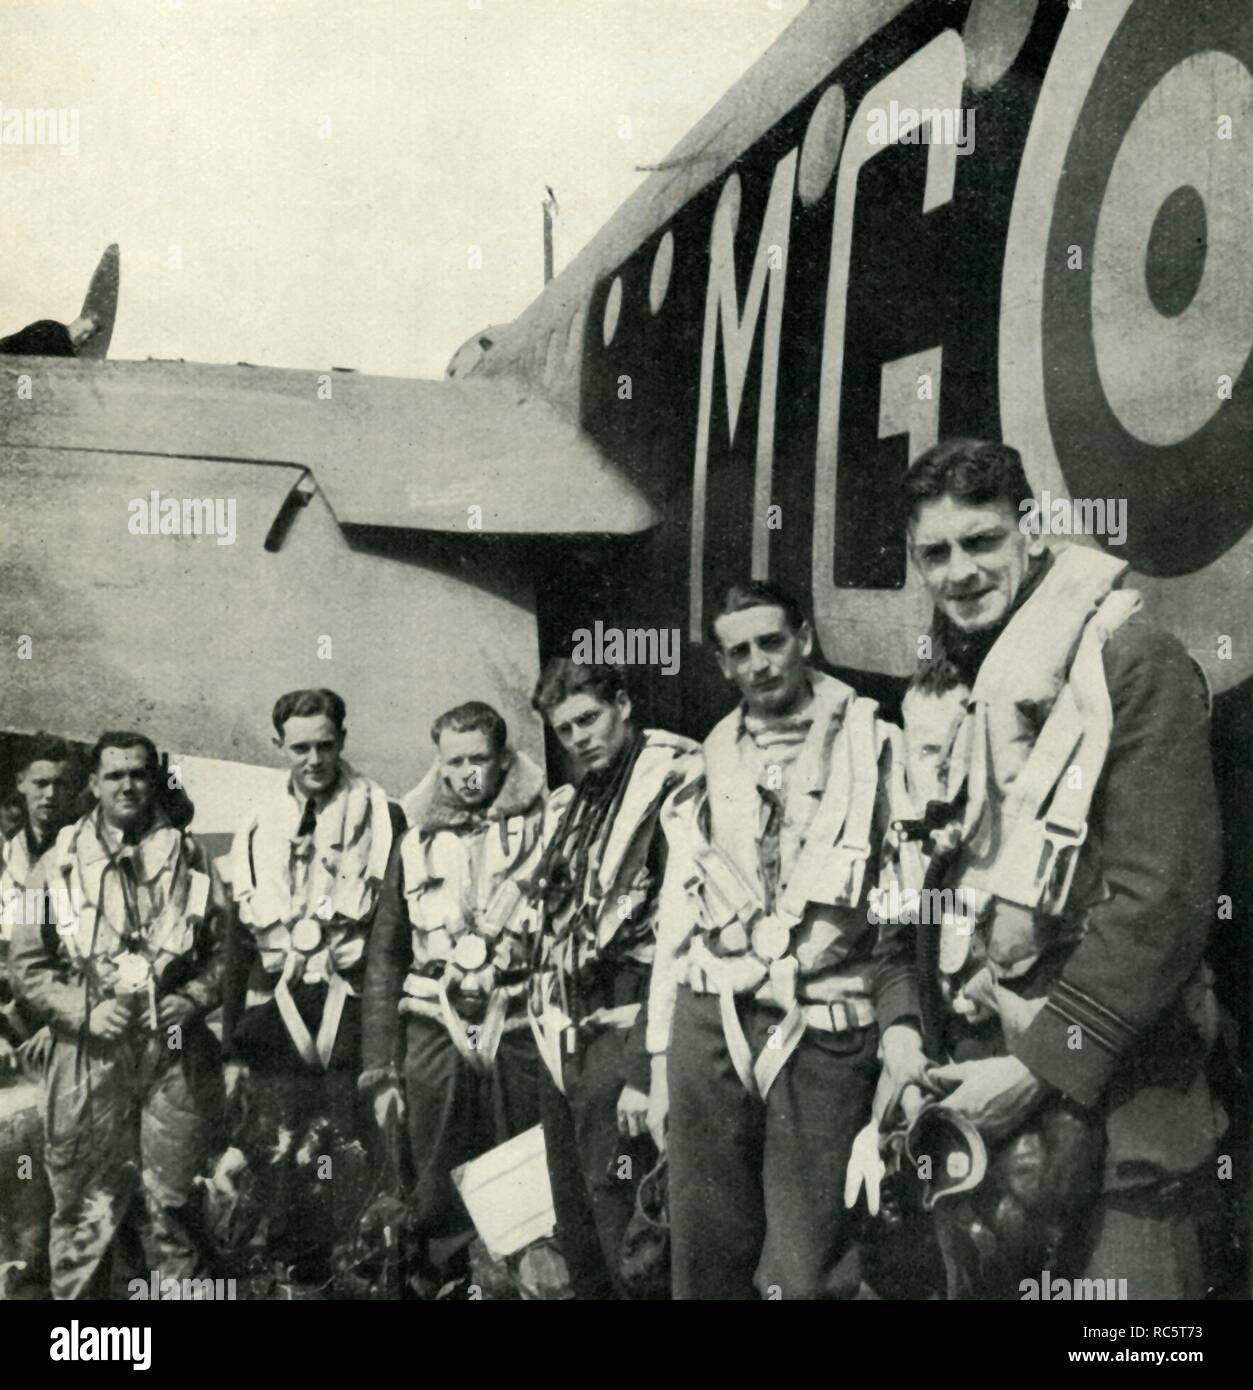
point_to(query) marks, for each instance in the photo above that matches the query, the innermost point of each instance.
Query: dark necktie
(308, 821)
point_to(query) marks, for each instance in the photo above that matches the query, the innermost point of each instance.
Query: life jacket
(1027, 747)
(126, 915)
(308, 900)
(610, 914)
(16, 871)
(788, 951)
(465, 879)
(618, 883)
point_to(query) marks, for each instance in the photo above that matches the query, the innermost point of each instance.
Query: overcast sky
(300, 184)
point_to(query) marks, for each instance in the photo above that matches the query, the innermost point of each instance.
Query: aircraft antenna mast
(550, 211)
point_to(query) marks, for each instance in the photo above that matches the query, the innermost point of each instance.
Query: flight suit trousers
(595, 1171)
(757, 1188)
(307, 1138)
(457, 1112)
(114, 1112)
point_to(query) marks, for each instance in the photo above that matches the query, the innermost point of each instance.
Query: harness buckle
(937, 815)
(1063, 838)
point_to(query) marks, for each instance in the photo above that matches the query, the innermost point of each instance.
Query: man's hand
(386, 1099)
(658, 1117)
(33, 1053)
(996, 1094)
(227, 1171)
(174, 1010)
(909, 1100)
(905, 1066)
(109, 1020)
(632, 1112)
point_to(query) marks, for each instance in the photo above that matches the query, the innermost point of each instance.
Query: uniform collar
(430, 807)
(323, 799)
(94, 841)
(823, 715)
(964, 652)
(828, 697)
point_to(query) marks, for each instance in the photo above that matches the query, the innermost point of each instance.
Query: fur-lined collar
(429, 807)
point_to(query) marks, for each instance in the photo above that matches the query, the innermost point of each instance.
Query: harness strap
(314, 1053)
(842, 822)
(549, 1024)
(785, 1038)
(1037, 865)
(478, 1050)
(548, 1045)
(737, 1044)
(717, 975)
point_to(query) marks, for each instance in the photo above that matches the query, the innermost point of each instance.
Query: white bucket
(507, 1194)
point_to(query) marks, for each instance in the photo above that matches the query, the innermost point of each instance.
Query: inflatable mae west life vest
(618, 881)
(741, 947)
(313, 896)
(16, 869)
(1027, 744)
(470, 936)
(467, 910)
(463, 873)
(603, 912)
(308, 900)
(829, 872)
(101, 934)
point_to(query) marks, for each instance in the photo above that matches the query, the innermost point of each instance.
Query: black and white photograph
(627, 663)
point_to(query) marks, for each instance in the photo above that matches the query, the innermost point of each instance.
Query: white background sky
(246, 236)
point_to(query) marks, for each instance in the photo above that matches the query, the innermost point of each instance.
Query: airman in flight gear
(448, 964)
(599, 885)
(1059, 759)
(124, 971)
(761, 1015)
(306, 872)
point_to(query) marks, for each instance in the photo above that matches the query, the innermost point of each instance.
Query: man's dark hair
(473, 715)
(44, 748)
(304, 704)
(563, 677)
(755, 593)
(120, 738)
(970, 470)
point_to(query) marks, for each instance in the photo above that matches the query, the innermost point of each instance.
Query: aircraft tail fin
(101, 303)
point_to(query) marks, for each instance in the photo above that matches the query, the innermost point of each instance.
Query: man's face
(312, 746)
(123, 786)
(972, 557)
(592, 732)
(469, 767)
(760, 652)
(45, 787)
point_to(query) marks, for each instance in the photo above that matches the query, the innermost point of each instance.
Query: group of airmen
(842, 978)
